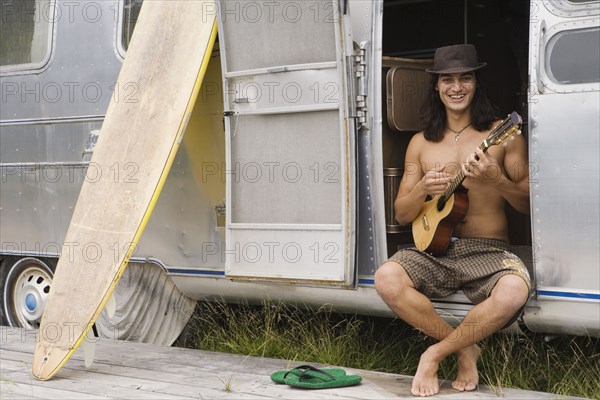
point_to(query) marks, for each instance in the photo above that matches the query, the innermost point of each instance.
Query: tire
(25, 284)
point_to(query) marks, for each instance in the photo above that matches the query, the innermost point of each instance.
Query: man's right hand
(435, 181)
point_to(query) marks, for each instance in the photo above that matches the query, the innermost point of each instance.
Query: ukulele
(433, 227)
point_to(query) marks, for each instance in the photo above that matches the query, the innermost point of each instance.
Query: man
(458, 117)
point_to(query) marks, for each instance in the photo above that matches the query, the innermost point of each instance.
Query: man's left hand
(480, 167)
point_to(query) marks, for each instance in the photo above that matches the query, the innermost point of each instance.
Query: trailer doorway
(412, 30)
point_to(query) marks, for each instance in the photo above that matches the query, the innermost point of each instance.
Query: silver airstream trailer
(283, 186)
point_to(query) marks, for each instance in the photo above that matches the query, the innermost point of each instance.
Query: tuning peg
(504, 144)
(519, 132)
(512, 138)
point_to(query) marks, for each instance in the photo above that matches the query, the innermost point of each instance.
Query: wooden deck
(125, 370)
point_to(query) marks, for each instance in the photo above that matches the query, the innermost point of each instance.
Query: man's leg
(507, 298)
(397, 290)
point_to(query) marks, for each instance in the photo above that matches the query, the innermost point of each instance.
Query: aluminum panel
(78, 79)
(564, 167)
(43, 142)
(303, 88)
(36, 204)
(316, 255)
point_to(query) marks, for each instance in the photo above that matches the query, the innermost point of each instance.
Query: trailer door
(290, 141)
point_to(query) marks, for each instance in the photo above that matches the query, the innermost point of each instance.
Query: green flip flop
(280, 376)
(319, 379)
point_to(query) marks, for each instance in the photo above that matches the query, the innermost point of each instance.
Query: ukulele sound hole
(441, 203)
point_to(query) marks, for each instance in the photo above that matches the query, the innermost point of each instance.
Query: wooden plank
(17, 381)
(86, 382)
(247, 374)
(179, 379)
(9, 394)
(116, 385)
(36, 392)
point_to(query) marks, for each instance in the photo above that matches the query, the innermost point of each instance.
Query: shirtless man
(458, 117)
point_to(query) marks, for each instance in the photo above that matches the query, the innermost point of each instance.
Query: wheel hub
(30, 293)
(31, 302)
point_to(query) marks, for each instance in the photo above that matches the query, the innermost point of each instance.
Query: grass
(567, 365)
(227, 385)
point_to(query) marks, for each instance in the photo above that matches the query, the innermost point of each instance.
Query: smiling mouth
(457, 97)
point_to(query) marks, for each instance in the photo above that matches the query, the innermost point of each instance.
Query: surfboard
(166, 61)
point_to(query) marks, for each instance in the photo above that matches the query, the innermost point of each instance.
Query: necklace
(457, 133)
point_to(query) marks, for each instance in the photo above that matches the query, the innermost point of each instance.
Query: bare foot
(425, 382)
(468, 376)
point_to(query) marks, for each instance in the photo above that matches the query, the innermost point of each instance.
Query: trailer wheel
(25, 284)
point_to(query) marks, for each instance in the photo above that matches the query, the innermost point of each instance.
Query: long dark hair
(433, 112)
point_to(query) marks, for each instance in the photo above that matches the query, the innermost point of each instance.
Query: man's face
(456, 90)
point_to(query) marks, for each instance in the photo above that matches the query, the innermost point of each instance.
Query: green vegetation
(567, 365)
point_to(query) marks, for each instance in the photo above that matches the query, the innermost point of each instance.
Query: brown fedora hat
(455, 60)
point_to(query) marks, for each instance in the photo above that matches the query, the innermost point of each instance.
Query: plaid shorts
(472, 265)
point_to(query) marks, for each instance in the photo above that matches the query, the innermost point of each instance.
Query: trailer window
(131, 11)
(573, 56)
(25, 32)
